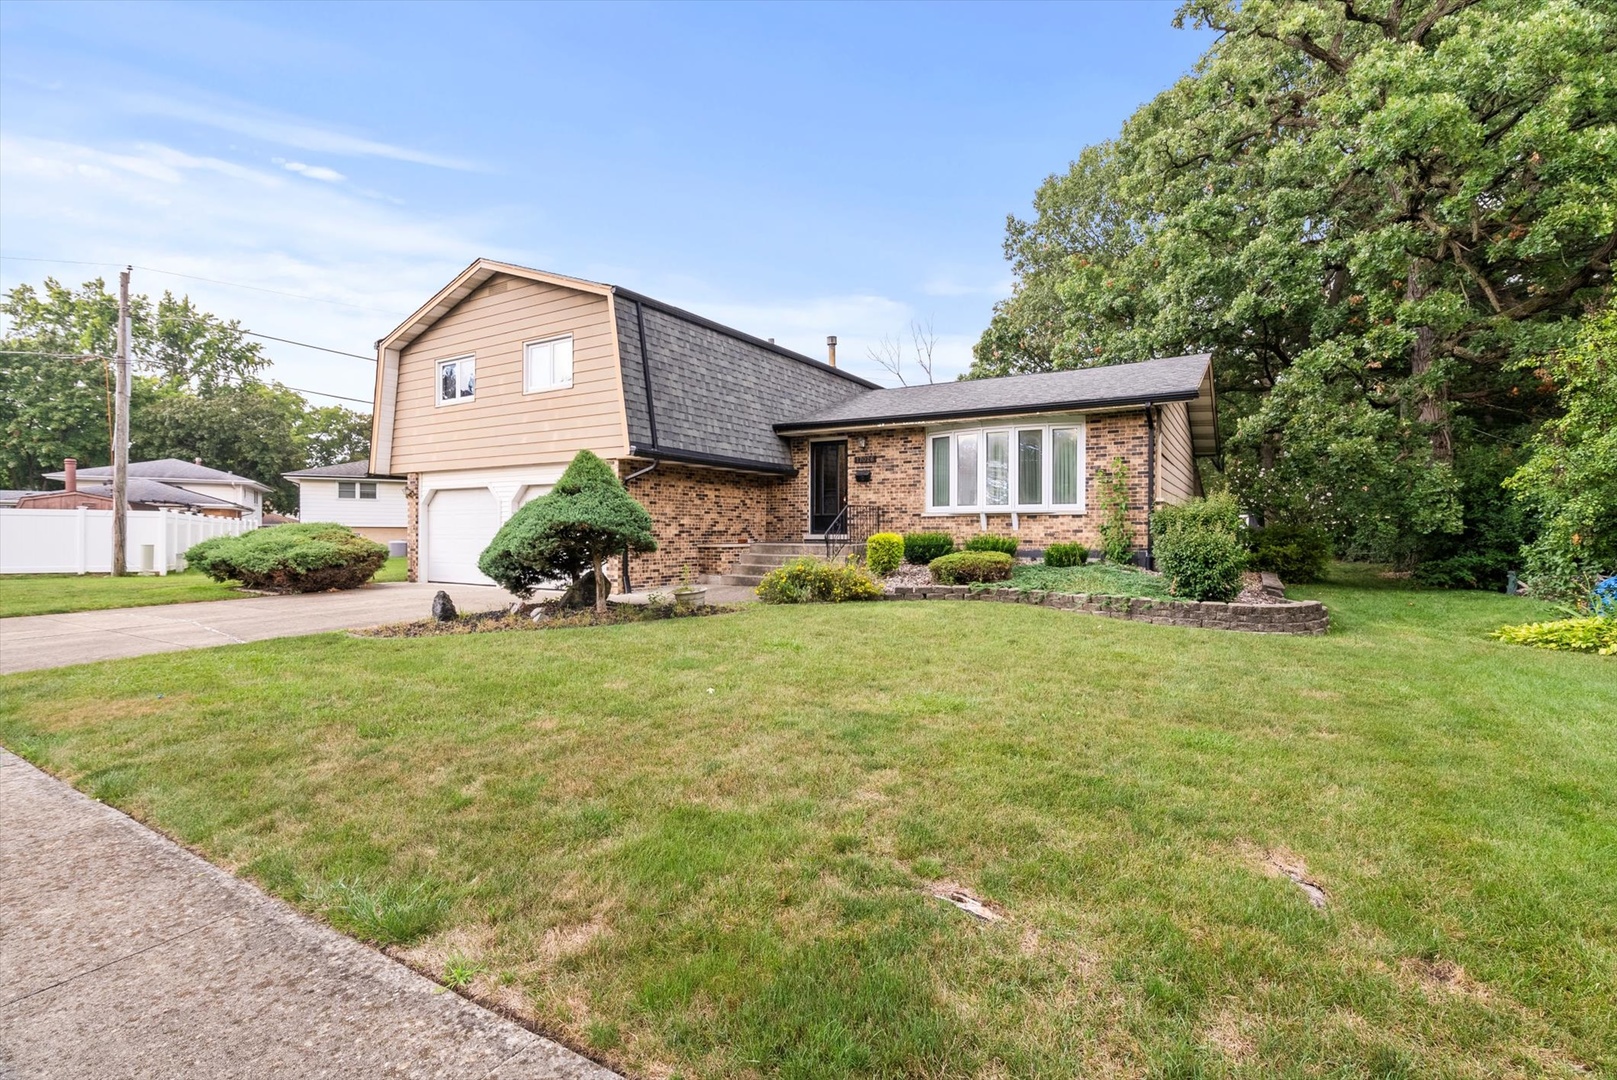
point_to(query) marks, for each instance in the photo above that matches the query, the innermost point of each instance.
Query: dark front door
(828, 486)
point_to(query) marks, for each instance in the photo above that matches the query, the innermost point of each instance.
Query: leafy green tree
(1570, 479)
(332, 434)
(250, 429)
(584, 520)
(1369, 211)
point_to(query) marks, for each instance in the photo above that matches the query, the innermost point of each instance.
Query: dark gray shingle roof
(716, 393)
(142, 490)
(347, 470)
(171, 470)
(1172, 378)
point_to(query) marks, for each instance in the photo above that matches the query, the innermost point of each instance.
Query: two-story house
(485, 394)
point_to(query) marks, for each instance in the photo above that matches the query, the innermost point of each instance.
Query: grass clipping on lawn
(713, 846)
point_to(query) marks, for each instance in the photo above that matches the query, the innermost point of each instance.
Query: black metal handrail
(852, 526)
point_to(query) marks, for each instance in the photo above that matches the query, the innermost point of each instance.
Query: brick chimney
(70, 470)
(831, 350)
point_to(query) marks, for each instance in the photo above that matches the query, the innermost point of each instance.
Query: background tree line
(1385, 219)
(197, 391)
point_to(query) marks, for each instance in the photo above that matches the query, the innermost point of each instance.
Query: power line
(306, 345)
(322, 393)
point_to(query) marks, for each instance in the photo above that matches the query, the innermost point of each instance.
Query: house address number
(864, 459)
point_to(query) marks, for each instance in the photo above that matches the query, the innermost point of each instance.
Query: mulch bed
(484, 622)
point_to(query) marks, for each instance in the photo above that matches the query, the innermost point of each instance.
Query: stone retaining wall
(1295, 617)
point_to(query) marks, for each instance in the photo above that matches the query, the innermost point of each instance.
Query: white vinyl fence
(80, 541)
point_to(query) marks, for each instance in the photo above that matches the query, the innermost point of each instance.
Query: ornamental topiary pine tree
(586, 518)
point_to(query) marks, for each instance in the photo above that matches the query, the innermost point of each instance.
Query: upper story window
(547, 364)
(457, 380)
(1002, 468)
(356, 489)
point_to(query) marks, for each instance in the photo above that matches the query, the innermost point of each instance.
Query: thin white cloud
(363, 262)
(313, 172)
(283, 131)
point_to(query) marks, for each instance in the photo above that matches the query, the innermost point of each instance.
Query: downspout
(1150, 477)
(626, 479)
(651, 415)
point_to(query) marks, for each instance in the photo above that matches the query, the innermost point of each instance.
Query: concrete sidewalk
(45, 641)
(124, 955)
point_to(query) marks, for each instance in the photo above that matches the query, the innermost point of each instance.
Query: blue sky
(795, 171)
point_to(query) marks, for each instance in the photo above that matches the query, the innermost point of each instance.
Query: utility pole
(120, 434)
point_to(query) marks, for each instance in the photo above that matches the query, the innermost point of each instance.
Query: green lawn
(701, 847)
(52, 594)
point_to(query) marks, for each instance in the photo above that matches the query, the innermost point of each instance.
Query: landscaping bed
(752, 846)
(542, 617)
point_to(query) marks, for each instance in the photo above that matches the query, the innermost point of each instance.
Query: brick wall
(412, 523)
(695, 514)
(896, 459)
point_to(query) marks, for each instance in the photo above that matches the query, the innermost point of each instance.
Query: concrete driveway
(45, 641)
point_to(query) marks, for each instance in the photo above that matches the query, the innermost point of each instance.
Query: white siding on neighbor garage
(318, 501)
(80, 541)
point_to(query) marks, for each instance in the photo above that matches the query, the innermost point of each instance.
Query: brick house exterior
(715, 431)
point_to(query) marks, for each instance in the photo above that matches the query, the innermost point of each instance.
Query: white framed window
(547, 364)
(457, 380)
(356, 489)
(1018, 467)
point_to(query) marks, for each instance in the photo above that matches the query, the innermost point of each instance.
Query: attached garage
(460, 523)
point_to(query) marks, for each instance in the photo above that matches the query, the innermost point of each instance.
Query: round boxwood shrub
(921, 548)
(308, 557)
(1298, 553)
(990, 542)
(1198, 548)
(969, 567)
(814, 581)
(1066, 555)
(883, 553)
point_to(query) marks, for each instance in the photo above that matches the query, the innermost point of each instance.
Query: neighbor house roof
(9, 496)
(347, 470)
(141, 490)
(694, 390)
(1174, 378)
(168, 471)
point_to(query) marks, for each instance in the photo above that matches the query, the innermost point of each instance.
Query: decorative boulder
(443, 608)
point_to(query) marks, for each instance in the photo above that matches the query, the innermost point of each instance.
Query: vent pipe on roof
(70, 467)
(831, 350)
(196, 461)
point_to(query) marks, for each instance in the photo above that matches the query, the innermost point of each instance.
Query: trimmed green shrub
(814, 581)
(883, 553)
(1298, 553)
(921, 548)
(585, 519)
(1066, 555)
(968, 567)
(990, 542)
(1596, 634)
(1198, 549)
(309, 557)
(1116, 531)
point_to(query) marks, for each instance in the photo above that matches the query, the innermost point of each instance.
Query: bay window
(1002, 468)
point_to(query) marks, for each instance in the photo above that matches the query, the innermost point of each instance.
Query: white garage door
(460, 523)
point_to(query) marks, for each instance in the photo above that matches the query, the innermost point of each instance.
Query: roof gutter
(808, 427)
(713, 461)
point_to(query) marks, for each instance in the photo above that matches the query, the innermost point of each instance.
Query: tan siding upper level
(502, 425)
(1176, 464)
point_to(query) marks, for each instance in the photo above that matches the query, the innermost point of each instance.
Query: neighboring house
(350, 494)
(167, 483)
(485, 394)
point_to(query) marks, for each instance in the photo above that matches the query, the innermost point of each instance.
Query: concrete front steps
(759, 559)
